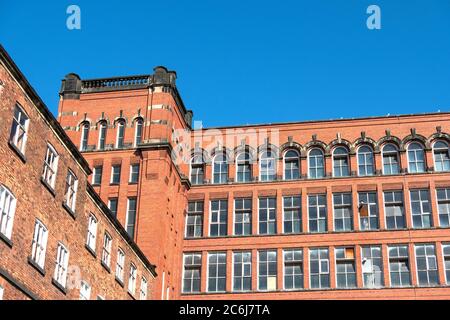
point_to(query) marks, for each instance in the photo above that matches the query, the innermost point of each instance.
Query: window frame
(39, 243)
(220, 224)
(132, 278)
(386, 153)
(107, 249)
(192, 266)
(292, 209)
(267, 275)
(198, 215)
(243, 276)
(441, 149)
(139, 126)
(133, 173)
(16, 126)
(270, 174)
(223, 169)
(102, 130)
(428, 270)
(245, 163)
(365, 165)
(292, 159)
(293, 262)
(127, 224)
(7, 199)
(217, 276)
(71, 187)
(342, 167)
(61, 278)
(317, 208)
(91, 240)
(120, 135)
(243, 211)
(415, 161)
(199, 170)
(50, 165)
(85, 127)
(267, 210)
(316, 167)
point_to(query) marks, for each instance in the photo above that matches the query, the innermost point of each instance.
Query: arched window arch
(243, 167)
(340, 162)
(197, 169)
(416, 158)
(441, 156)
(267, 166)
(366, 165)
(7, 211)
(102, 128)
(291, 165)
(139, 126)
(220, 168)
(391, 161)
(84, 128)
(120, 125)
(316, 162)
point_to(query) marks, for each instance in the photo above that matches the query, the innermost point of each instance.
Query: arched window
(316, 163)
(139, 125)
(197, 169)
(267, 166)
(441, 156)
(416, 158)
(7, 210)
(120, 133)
(291, 165)
(243, 168)
(340, 162)
(391, 164)
(102, 127)
(220, 169)
(365, 161)
(84, 127)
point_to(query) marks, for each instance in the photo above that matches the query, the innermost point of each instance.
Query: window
(319, 268)
(102, 135)
(138, 133)
(106, 253)
(267, 166)
(441, 156)
(292, 214)
(112, 205)
(219, 217)
(71, 190)
(192, 272)
(50, 166)
(7, 211)
(243, 168)
(19, 129)
(343, 216)
(243, 217)
(416, 158)
(39, 244)
(399, 266)
(1, 292)
(120, 134)
(194, 219)
(143, 290)
(372, 266)
(115, 174)
(366, 165)
(317, 213)
(420, 208)
(242, 271)
(446, 252)
(368, 210)
(345, 267)
(340, 162)
(61, 265)
(85, 291)
(291, 165)
(393, 208)
(131, 216)
(92, 232)
(316, 164)
(391, 163)
(84, 127)
(97, 175)
(443, 200)
(220, 169)
(427, 272)
(267, 216)
(267, 270)
(132, 279)
(134, 173)
(120, 264)
(197, 169)
(293, 269)
(217, 272)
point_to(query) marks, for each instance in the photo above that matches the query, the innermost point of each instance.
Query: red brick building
(58, 240)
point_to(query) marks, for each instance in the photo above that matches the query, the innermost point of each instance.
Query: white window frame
(397, 259)
(219, 223)
(50, 169)
(132, 279)
(267, 264)
(112, 173)
(198, 215)
(342, 194)
(95, 173)
(365, 164)
(7, 211)
(383, 152)
(143, 289)
(292, 208)
(91, 240)
(85, 291)
(84, 141)
(403, 209)
(120, 125)
(242, 266)
(341, 156)
(71, 186)
(245, 210)
(39, 243)
(223, 165)
(245, 163)
(434, 155)
(373, 272)
(443, 201)
(316, 167)
(120, 264)
(14, 137)
(198, 166)
(134, 165)
(422, 213)
(369, 205)
(2, 290)
(216, 276)
(416, 163)
(267, 215)
(318, 212)
(102, 130)
(128, 216)
(345, 260)
(264, 158)
(445, 244)
(138, 122)
(321, 272)
(193, 256)
(106, 250)
(428, 270)
(297, 157)
(61, 265)
(293, 262)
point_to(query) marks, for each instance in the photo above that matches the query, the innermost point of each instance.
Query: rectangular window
(345, 267)
(143, 290)
(420, 208)
(132, 279)
(399, 266)
(443, 201)
(120, 264)
(131, 216)
(343, 216)
(372, 266)
(106, 253)
(368, 210)
(242, 271)
(138, 137)
(92, 232)
(192, 271)
(293, 269)
(97, 175)
(112, 205)
(19, 130)
(134, 173)
(217, 272)
(61, 265)
(115, 174)
(1, 292)
(71, 190)
(319, 268)
(84, 128)
(446, 253)
(267, 270)
(427, 270)
(267, 216)
(194, 219)
(85, 291)
(292, 214)
(393, 208)
(317, 213)
(50, 166)
(102, 135)
(243, 217)
(39, 244)
(219, 217)
(120, 134)
(7, 211)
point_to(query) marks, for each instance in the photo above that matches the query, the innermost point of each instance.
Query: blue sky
(242, 62)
